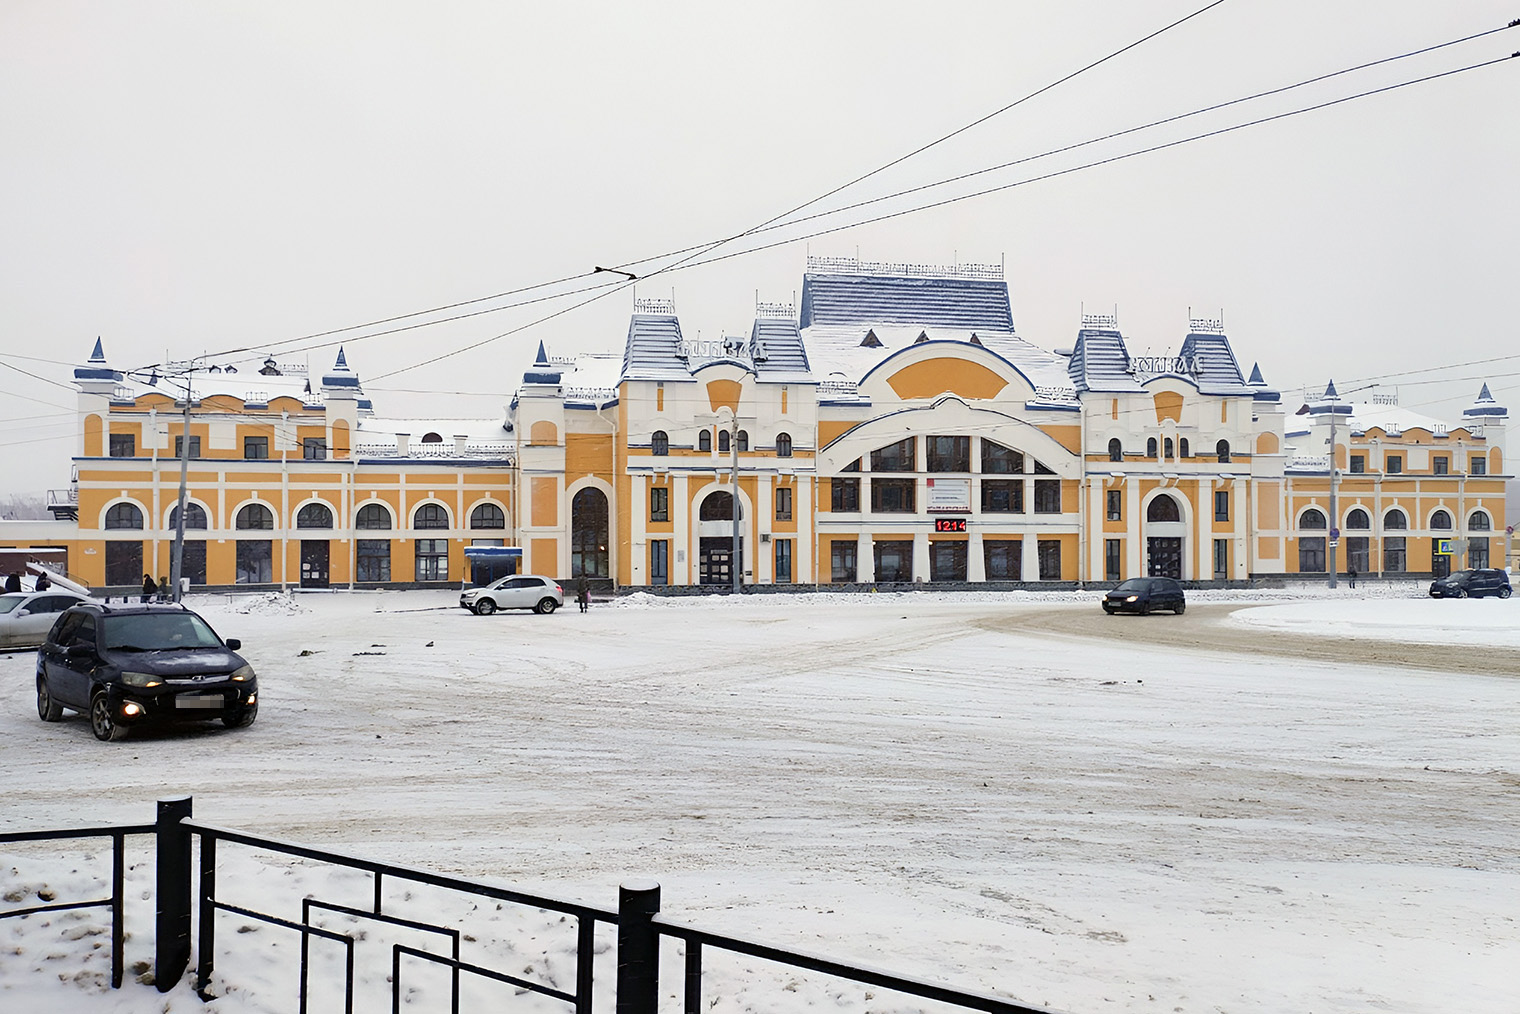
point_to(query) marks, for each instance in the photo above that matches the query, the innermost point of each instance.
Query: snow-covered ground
(1000, 791)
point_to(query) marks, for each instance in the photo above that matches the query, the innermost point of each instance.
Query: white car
(519, 591)
(26, 617)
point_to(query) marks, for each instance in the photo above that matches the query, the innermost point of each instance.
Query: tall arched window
(704, 441)
(718, 506)
(1395, 521)
(373, 517)
(1223, 450)
(1440, 521)
(1150, 448)
(314, 515)
(430, 515)
(1358, 521)
(589, 555)
(1312, 520)
(488, 515)
(1182, 445)
(1479, 522)
(1163, 508)
(659, 442)
(783, 445)
(123, 516)
(255, 517)
(724, 446)
(1166, 447)
(1115, 450)
(195, 517)
(743, 441)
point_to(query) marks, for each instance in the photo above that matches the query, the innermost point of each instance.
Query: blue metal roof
(877, 299)
(775, 346)
(653, 349)
(1218, 372)
(1100, 362)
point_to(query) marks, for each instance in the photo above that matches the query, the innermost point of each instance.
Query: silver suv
(519, 591)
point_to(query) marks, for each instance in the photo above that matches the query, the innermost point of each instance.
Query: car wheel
(1108, 610)
(485, 607)
(1145, 609)
(241, 719)
(1505, 593)
(546, 606)
(102, 722)
(48, 709)
(1181, 608)
(1461, 593)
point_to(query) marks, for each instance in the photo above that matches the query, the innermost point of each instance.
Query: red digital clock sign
(949, 524)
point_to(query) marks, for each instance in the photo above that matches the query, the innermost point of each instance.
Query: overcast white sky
(186, 177)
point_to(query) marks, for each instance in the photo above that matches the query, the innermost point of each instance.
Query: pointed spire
(1257, 380)
(99, 355)
(1330, 390)
(1483, 395)
(543, 356)
(342, 361)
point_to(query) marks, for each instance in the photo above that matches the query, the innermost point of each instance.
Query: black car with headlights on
(1145, 594)
(134, 664)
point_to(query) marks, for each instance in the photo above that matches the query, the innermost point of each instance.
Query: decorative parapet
(1056, 395)
(779, 311)
(592, 394)
(837, 389)
(855, 266)
(485, 450)
(655, 307)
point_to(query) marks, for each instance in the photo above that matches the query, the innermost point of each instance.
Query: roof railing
(855, 266)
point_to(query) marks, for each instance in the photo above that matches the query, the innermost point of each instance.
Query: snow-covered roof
(1216, 371)
(1100, 362)
(592, 380)
(973, 303)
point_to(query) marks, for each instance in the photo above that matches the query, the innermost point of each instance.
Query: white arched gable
(1018, 388)
(949, 416)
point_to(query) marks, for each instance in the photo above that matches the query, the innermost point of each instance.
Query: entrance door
(716, 563)
(1440, 563)
(314, 563)
(1165, 557)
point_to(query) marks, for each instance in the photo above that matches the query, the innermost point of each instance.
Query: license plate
(198, 701)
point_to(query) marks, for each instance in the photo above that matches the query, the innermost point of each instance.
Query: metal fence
(639, 925)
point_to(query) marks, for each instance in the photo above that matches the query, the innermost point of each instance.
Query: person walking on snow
(42, 583)
(13, 582)
(583, 593)
(148, 588)
(1351, 576)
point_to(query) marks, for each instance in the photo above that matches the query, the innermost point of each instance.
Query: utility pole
(185, 373)
(736, 558)
(1335, 531)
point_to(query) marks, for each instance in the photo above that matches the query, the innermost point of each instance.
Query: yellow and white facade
(893, 429)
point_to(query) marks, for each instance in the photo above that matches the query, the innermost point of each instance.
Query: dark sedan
(1145, 594)
(127, 665)
(1471, 584)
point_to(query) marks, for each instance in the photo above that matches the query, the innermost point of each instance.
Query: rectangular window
(1393, 554)
(1477, 553)
(1311, 554)
(124, 563)
(1358, 464)
(783, 560)
(255, 561)
(1221, 505)
(1000, 460)
(842, 561)
(949, 454)
(1441, 465)
(659, 561)
(1002, 559)
(844, 496)
(1115, 505)
(1221, 559)
(1358, 554)
(1002, 496)
(1047, 496)
(896, 457)
(894, 560)
(432, 559)
(1113, 555)
(255, 448)
(1478, 465)
(1395, 465)
(1050, 560)
(783, 503)
(947, 561)
(659, 503)
(893, 496)
(373, 560)
(123, 445)
(314, 449)
(195, 447)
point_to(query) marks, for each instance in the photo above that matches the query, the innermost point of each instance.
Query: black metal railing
(118, 835)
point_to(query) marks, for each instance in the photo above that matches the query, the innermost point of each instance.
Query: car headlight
(140, 679)
(243, 674)
(1133, 598)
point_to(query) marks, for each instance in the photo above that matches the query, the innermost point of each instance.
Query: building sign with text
(949, 496)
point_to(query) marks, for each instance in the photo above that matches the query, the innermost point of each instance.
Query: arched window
(1150, 448)
(314, 515)
(704, 441)
(783, 445)
(589, 528)
(195, 517)
(432, 438)
(255, 517)
(1183, 447)
(373, 517)
(488, 515)
(1167, 448)
(1115, 450)
(1163, 508)
(1395, 521)
(1358, 521)
(718, 506)
(1479, 522)
(1223, 450)
(743, 441)
(724, 446)
(659, 443)
(1440, 521)
(124, 515)
(430, 515)
(1312, 520)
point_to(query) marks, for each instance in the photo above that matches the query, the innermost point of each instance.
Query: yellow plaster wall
(93, 427)
(1069, 437)
(1267, 443)
(543, 557)
(723, 394)
(545, 502)
(946, 375)
(1168, 406)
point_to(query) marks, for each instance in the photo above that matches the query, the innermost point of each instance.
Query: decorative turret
(340, 382)
(1485, 409)
(96, 375)
(1260, 390)
(543, 371)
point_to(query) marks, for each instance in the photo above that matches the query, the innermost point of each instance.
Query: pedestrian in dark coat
(13, 582)
(148, 588)
(42, 583)
(583, 593)
(1351, 576)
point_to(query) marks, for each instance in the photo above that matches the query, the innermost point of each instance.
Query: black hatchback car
(1145, 594)
(134, 664)
(1471, 584)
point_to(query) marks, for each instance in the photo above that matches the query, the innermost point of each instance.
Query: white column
(865, 561)
(1134, 529)
(765, 515)
(1095, 516)
(1029, 552)
(681, 546)
(807, 529)
(1239, 492)
(638, 522)
(920, 555)
(976, 561)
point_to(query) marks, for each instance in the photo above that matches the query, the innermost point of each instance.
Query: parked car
(1471, 584)
(518, 591)
(26, 617)
(1145, 594)
(133, 664)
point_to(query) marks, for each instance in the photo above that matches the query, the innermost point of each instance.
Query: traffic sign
(1335, 533)
(1443, 547)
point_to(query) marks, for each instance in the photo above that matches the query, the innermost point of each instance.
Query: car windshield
(1134, 584)
(1460, 577)
(158, 632)
(8, 603)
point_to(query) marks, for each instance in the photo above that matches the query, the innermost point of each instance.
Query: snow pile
(1487, 621)
(266, 604)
